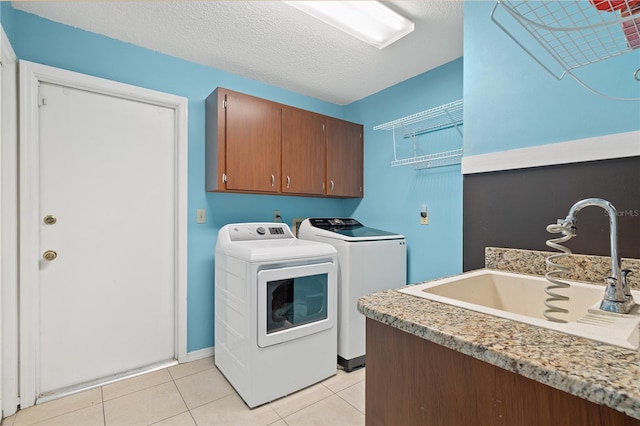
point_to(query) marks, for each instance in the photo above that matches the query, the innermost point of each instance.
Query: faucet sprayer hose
(556, 270)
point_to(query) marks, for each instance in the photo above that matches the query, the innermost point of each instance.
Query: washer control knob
(260, 230)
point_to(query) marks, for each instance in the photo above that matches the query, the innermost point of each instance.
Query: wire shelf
(438, 118)
(442, 117)
(432, 160)
(577, 33)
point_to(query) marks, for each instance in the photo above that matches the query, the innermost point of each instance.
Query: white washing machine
(369, 260)
(275, 310)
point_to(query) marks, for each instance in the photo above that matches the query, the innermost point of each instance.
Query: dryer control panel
(259, 231)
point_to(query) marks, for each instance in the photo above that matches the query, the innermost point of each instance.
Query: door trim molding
(31, 75)
(9, 227)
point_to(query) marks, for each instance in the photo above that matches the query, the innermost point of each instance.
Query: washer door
(295, 301)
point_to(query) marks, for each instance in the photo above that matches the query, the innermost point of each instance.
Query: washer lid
(349, 229)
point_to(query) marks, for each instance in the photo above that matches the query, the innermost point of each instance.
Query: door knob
(49, 219)
(49, 255)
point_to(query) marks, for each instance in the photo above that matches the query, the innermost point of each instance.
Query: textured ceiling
(272, 42)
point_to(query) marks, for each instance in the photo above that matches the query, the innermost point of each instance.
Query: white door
(107, 230)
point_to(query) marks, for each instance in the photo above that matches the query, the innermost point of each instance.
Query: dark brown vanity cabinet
(412, 381)
(257, 146)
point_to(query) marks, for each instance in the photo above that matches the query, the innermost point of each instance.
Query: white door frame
(31, 75)
(9, 228)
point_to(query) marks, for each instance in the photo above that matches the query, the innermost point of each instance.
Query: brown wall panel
(513, 208)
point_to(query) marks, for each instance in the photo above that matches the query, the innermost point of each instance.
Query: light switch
(201, 216)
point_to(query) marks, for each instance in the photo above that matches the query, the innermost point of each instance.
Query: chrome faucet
(617, 296)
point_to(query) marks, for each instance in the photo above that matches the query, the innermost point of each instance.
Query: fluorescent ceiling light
(369, 21)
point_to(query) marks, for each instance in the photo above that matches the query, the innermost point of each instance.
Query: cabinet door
(303, 152)
(344, 159)
(215, 152)
(253, 134)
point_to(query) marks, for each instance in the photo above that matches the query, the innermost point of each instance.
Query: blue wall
(392, 196)
(512, 102)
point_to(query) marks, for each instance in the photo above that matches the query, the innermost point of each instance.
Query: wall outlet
(424, 218)
(201, 216)
(276, 216)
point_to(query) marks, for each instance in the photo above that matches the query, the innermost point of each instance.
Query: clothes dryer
(275, 310)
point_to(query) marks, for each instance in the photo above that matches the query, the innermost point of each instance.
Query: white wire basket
(577, 33)
(422, 124)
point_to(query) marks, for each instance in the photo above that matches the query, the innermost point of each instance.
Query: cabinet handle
(332, 185)
(273, 180)
(224, 177)
(288, 182)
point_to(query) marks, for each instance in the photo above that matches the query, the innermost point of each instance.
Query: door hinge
(42, 101)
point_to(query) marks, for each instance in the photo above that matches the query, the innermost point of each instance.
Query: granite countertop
(598, 372)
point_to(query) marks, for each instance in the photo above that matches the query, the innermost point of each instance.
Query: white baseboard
(200, 353)
(619, 145)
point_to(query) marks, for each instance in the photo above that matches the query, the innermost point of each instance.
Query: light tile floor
(196, 393)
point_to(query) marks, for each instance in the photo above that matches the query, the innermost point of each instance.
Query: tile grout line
(339, 396)
(181, 397)
(277, 414)
(63, 414)
(104, 414)
(310, 405)
(208, 402)
(137, 390)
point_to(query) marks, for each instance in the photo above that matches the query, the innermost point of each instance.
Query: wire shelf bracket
(423, 123)
(576, 33)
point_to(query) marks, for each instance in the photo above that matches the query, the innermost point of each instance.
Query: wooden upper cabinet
(243, 135)
(303, 152)
(257, 146)
(345, 156)
(253, 135)
(215, 144)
